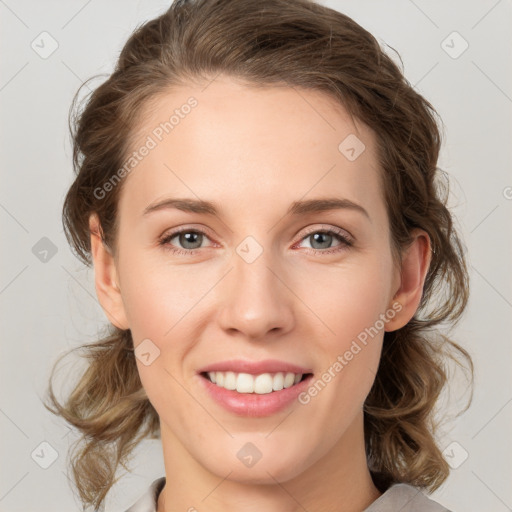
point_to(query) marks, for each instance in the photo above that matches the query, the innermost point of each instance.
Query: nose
(255, 300)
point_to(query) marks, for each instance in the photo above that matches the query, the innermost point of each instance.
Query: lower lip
(254, 404)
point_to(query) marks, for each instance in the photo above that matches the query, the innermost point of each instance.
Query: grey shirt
(399, 497)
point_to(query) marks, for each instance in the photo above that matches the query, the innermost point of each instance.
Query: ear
(415, 264)
(105, 277)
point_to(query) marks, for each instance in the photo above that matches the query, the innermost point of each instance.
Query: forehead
(261, 145)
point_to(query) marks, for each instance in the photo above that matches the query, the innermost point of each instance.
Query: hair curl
(300, 44)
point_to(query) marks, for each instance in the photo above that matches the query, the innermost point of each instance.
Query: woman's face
(271, 274)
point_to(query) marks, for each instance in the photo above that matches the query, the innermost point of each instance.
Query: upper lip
(254, 367)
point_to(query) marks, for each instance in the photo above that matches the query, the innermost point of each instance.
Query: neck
(338, 481)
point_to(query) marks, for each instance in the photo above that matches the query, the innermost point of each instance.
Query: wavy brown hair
(296, 43)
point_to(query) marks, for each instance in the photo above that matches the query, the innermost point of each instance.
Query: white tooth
(248, 383)
(245, 383)
(263, 384)
(278, 382)
(230, 380)
(288, 380)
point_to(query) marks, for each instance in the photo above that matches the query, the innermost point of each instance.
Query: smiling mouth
(247, 383)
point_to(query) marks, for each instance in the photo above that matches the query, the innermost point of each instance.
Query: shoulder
(148, 501)
(406, 498)
(403, 497)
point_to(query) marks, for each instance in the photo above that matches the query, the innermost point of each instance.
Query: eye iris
(188, 237)
(323, 238)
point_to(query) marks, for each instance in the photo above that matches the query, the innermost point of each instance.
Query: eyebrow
(296, 208)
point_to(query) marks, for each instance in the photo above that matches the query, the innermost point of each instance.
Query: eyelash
(346, 242)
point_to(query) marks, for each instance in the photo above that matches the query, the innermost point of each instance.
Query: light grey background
(48, 307)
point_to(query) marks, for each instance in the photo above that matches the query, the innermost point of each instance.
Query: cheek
(347, 299)
(156, 296)
(350, 302)
(163, 304)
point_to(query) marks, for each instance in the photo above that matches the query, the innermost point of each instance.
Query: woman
(258, 192)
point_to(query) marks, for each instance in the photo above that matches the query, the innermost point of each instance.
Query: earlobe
(105, 277)
(415, 264)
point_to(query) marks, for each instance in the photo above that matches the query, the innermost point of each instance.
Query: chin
(265, 475)
(266, 470)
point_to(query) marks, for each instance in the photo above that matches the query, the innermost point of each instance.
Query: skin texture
(254, 151)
